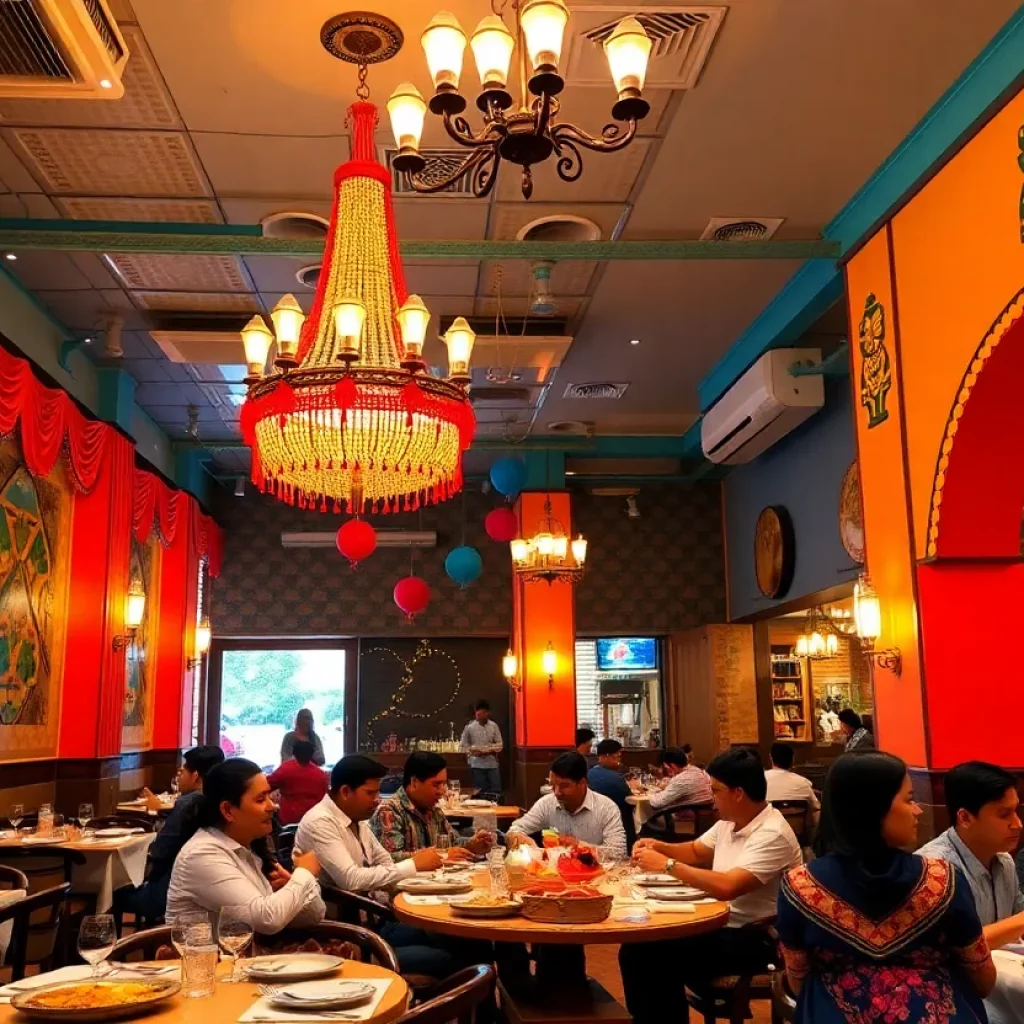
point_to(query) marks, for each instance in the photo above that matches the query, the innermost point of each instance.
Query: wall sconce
(867, 615)
(134, 609)
(510, 669)
(203, 637)
(549, 662)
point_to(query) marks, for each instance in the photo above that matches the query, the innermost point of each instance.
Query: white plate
(113, 833)
(651, 880)
(291, 966)
(478, 803)
(683, 894)
(434, 885)
(323, 995)
(40, 841)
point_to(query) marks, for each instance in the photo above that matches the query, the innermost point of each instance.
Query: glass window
(618, 694)
(261, 691)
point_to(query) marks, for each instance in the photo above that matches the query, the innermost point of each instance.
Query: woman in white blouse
(217, 867)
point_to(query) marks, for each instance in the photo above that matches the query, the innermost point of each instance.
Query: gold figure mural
(35, 536)
(876, 370)
(137, 720)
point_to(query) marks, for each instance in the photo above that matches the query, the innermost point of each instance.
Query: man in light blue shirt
(982, 801)
(481, 740)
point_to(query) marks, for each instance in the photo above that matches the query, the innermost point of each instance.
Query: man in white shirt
(785, 784)
(740, 859)
(574, 810)
(481, 742)
(687, 784)
(217, 868)
(353, 859)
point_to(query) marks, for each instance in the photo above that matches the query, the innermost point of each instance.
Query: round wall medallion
(773, 551)
(361, 37)
(851, 514)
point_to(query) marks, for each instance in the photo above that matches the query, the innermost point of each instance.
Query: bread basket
(563, 908)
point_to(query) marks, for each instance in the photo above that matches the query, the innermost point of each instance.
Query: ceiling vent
(60, 49)
(560, 227)
(602, 389)
(308, 276)
(440, 164)
(298, 225)
(741, 229)
(505, 395)
(577, 428)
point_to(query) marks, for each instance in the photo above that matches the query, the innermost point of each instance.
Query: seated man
(301, 783)
(584, 743)
(786, 784)
(351, 858)
(411, 820)
(741, 859)
(606, 778)
(982, 801)
(149, 900)
(687, 784)
(574, 810)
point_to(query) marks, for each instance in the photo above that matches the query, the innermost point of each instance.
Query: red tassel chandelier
(350, 419)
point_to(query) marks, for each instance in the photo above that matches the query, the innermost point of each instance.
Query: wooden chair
(124, 820)
(372, 948)
(783, 1001)
(38, 921)
(12, 878)
(455, 999)
(664, 825)
(798, 814)
(151, 944)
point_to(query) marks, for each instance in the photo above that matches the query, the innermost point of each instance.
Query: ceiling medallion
(523, 132)
(350, 419)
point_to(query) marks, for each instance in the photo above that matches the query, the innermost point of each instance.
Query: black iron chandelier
(526, 132)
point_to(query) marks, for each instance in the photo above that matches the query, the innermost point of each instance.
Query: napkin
(261, 1010)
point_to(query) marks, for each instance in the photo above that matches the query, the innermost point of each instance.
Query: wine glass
(96, 939)
(85, 815)
(234, 933)
(16, 816)
(193, 927)
(443, 845)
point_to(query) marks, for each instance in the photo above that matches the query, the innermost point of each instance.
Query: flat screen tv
(627, 654)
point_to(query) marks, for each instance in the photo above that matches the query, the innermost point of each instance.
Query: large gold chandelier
(525, 131)
(349, 419)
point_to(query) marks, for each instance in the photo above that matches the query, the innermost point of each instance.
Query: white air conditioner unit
(765, 404)
(60, 49)
(385, 538)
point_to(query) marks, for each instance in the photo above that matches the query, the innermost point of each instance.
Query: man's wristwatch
(669, 865)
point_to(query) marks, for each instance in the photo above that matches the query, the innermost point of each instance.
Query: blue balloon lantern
(508, 477)
(463, 565)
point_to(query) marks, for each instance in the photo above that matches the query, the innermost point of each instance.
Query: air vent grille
(440, 163)
(27, 49)
(668, 30)
(481, 395)
(741, 229)
(98, 16)
(601, 389)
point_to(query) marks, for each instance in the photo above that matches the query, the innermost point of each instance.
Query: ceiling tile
(85, 310)
(26, 204)
(565, 307)
(94, 269)
(424, 218)
(198, 302)
(153, 272)
(13, 171)
(515, 277)
(97, 162)
(147, 371)
(253, 211)
(183, 211)
(440, 278)
(169, 394)
(276, 273)
(51, 270)
(139, 345)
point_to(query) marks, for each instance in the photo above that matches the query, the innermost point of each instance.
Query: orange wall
(899, 702)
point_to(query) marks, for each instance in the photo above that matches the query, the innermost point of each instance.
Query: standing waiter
(481, 740)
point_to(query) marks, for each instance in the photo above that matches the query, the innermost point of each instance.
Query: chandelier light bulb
(203, 636)
(413, 319)
(560, 546)
(831, 645)
(816, 645)
(579, 549)
(509, 665)
(459, 338)
(492, 46)
(545, 544)
(407, 111)
(520, 550)
(256, 339)
(349, 315)
(867, 610)
(288, 319)
(803, 647)
(549, 661)
(444, 43)
(543, 23)
(135, 606)
(628, 50)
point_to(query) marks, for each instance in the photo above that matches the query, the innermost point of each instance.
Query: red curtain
(50, 423)
(153, 500)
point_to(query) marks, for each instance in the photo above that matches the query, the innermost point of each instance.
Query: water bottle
(497, 873)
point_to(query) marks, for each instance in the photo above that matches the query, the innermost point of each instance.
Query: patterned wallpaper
(656, 574)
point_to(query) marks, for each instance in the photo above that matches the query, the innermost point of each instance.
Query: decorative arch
(977, 499)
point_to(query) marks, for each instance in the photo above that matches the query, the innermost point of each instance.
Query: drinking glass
(198, 962)
(234, 933)
(96, 939)
(443, 846)
(455, 792)
(85, 815)
(16, 816)
(193, 927)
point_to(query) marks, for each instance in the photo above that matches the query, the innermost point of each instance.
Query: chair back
(124, 820)
(680, 821)
(458, 996)
(390, 784)
(37, 922)
(12, 878)
(354, 908)
(798, 815)
(330, 936)
(151, 944)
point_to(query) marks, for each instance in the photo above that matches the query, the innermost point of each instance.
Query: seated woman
(869, 932)
(218, 868)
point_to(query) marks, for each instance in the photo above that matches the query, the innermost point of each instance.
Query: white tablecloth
(1006, 1003)
(111, 867)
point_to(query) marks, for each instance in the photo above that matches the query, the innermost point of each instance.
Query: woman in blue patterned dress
(871, 934)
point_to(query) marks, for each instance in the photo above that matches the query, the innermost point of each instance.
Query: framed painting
(140, 654)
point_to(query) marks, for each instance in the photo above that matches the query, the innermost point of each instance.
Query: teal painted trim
(190, 474)
(116, 396)
(145, 227)
(814, 288)
(545, 470)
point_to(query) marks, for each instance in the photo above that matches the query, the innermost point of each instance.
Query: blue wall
(804, 472)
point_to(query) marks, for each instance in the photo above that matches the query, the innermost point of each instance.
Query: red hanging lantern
(412, 595)
(356, 540)
(502, 525)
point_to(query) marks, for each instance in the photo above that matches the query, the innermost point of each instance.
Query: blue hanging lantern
(508, 477)
(464, 565)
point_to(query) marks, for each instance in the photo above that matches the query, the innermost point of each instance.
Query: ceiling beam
(249, 240)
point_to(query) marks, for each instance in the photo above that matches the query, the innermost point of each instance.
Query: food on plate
(485, 899)
(579, 863)
(550, 838)
(92, 997)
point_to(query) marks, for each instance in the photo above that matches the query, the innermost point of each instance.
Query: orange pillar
(543, 614)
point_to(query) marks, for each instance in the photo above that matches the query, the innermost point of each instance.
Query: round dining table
(503, 812)
(229, 1002)
(560, 986)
